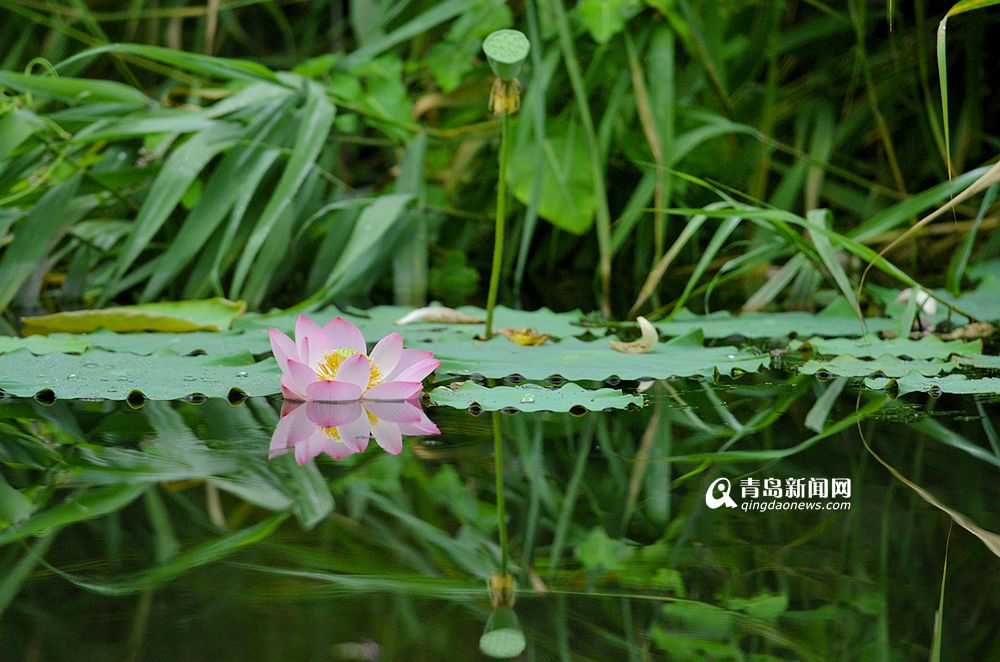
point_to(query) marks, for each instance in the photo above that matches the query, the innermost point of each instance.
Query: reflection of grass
(417, 530)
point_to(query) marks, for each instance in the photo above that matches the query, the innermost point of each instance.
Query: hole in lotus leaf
(558, 380)
(577, 410)
(46, 396)
(879, 374)
(935, 392)
(475, 409)
(514, 379)
(195, 398)
(823, 375)
(196, 352)
(613, 380)
(508, 410)
(236, 396)
(136, 399)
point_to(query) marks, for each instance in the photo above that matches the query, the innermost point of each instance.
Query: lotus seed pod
(506, 51)
(503, 637)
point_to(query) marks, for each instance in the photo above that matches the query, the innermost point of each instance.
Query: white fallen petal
(644, 344)
(927, 304)
(438, 315)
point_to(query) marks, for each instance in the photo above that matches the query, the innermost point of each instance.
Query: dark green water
(164, 533)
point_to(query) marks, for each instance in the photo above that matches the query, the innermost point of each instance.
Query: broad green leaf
(532, 397)
(114, 376)
(599, 553)
(606, 18)
(566, 198)
(176, 316)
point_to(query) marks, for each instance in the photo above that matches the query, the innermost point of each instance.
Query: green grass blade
(75, 90)
(84, 505)
(34, 236)
(317, 120)
(202, 65)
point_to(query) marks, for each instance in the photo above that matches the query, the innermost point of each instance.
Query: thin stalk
(498, 239)
(498, 469)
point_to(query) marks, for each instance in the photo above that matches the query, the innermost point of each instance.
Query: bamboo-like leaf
(316, 122)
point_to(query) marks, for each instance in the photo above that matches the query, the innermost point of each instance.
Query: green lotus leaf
(957, 384)
(117, 376)
(928, 347)
(576, 360)
(173, 316)
(846, 365)
(532, 397)
(837, 319)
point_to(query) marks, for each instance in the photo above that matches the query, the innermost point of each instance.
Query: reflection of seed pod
(503, 637)
(506, 51)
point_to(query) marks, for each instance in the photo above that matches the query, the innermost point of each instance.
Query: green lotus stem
(501, 514)
(491, 299)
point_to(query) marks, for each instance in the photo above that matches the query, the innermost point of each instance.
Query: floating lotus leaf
(929, 347)
(205, 315)
(197, 342)
(980, 361)
(846, 365)
(532, 397)
(380, 320)
(837, 319)
(114, 375)
(575, 360)
(956, 384)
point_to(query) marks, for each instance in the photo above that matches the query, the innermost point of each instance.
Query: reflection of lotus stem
(501, 515)
(491, 299)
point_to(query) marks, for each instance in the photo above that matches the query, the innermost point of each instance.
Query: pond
(713, 522)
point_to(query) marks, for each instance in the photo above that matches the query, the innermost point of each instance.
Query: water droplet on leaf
(527, 400)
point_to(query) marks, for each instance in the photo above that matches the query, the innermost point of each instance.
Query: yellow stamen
(327, 368)
(331, 362)
(333, 434)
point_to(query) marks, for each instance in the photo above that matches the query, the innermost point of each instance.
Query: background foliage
(346, 154)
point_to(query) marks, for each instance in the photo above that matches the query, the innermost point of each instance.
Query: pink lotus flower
(332, 364)
(343, 429)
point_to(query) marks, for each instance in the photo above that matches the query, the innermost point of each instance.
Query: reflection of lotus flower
(332, 364)
(342, 429)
